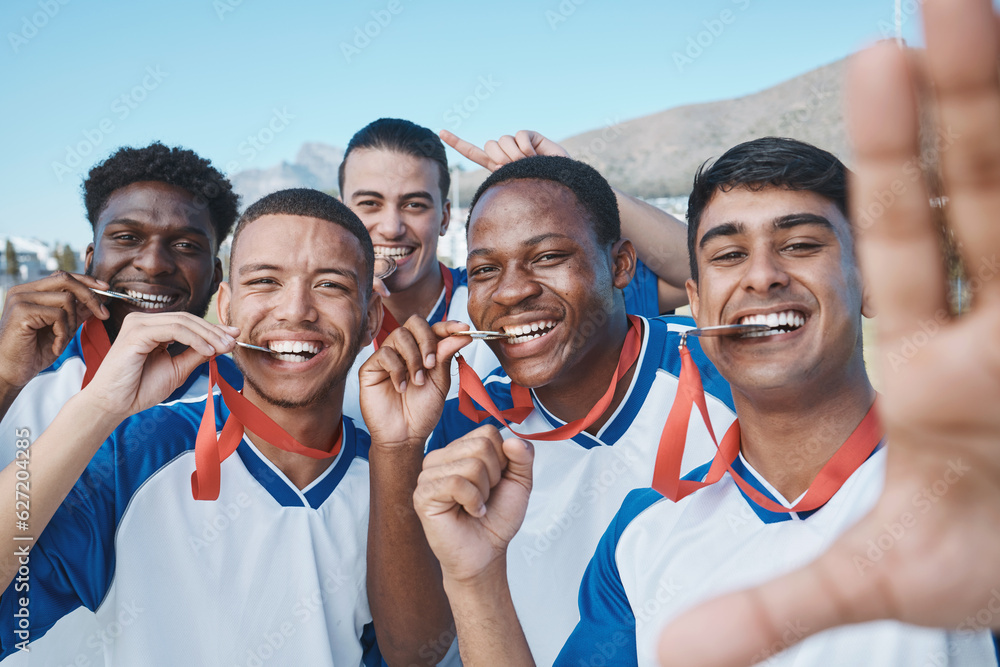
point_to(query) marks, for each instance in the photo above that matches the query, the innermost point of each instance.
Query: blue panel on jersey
(642, 295)
(606, 631)
(354, 440)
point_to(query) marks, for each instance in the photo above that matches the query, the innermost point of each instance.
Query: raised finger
(470, 151)
(483, 442)
(403, 340)
(898, 243)
(962, 51)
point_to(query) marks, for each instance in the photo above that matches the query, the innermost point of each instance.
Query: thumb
(185, 363)
(520, 455)
(767, 619)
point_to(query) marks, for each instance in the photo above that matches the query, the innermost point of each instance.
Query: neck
(789, 438)
(314, 426)
(577, 390)
(418, 299)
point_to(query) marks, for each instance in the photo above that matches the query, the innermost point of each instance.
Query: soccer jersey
(43, 397)
(580, 483)
(641, 298)
(659, 558)
(267, 574)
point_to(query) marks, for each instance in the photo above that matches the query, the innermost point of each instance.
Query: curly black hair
(592, 192)
(175, 166)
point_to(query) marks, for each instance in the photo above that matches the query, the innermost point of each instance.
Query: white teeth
(151, 301)
(293, 347)
(792, 319)
(772, 320)
(783, 318)
(387, 251)
(525, 332)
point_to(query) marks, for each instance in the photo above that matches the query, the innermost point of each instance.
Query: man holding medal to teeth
(274, 569)
(158, 216)
(580, 376)
(768, 238)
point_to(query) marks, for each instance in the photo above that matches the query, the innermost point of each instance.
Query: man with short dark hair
(587, 380)
(804, 460)
(276, 567)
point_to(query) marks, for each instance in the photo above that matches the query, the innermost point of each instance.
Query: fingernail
(430, 360)
(402, 386)
(481, 512)
(419, 378)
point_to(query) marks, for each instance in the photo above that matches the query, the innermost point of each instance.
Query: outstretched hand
(929, 552)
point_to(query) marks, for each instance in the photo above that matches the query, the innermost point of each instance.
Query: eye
(802, 247)
(482, 272)
(416, 205)
(125, 237)
(261, 281)
(730, 257)
(333, 284)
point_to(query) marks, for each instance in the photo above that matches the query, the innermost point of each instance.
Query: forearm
(659, 238)
(489, 632)
(408, 603)
(43, 477)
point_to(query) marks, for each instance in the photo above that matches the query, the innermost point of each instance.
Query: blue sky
(82, 78)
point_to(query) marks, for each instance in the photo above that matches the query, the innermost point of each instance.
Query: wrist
(93, 413)
(488, 581)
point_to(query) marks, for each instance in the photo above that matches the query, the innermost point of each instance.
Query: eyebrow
(419, 194)
(784, 222)
(187, 229)
(527, 243)
(254, 268)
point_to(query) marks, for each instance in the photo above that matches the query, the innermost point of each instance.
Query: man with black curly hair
(159, 214)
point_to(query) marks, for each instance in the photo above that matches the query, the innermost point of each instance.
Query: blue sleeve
(453, 424)
(642, 295)
(606, 631)
(73, 560)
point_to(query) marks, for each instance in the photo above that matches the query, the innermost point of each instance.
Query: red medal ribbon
(389, 323)
(210, 452)
(470, 388)
(95, 344)
(666, 473)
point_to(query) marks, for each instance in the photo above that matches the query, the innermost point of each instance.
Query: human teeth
(387, 251)
(783, 318)
(772, 320)
(294, 347)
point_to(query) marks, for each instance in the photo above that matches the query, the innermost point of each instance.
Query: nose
(764, 272)
(294, 304)
(514, 286)
(154, 259)
(387, 224)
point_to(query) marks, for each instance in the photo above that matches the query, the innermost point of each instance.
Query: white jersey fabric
(579, 484)
(78, 637)
(659, 558)
(267, 574)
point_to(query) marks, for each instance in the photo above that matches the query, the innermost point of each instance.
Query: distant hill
(658, 155)
(653, 156)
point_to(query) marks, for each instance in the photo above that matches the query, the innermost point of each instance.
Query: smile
(152, 301)
(295, 351)
(392, 251)
(522, 333)
(783, 322)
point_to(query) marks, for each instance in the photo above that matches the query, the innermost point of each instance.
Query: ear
(692, 289)
(216, 275)
(623, 254)
(867, 307)
(445, 216)
(88, 258)
(222, 303)
(374, 317)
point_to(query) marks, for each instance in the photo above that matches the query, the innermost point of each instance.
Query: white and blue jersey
(579, 483)
(267, 574)
(641, 298)
(43, 397)
(659, 558)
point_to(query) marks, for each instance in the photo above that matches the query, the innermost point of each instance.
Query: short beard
(321, 394)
